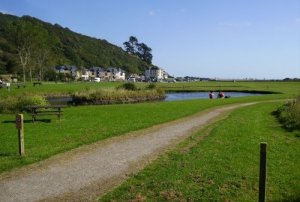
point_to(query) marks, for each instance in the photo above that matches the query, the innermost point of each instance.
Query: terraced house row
(111, 74)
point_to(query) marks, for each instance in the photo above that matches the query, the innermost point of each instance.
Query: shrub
(27, 100)
(289, 114)
(108, 96)
(19, 103)
(151, 86)
(128, 86)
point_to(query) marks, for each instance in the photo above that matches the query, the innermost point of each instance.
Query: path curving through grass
(88, 171)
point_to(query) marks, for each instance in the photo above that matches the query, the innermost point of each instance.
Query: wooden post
(262, 172)
(20, 127)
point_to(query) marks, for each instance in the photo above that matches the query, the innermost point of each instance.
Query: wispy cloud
(298, 20)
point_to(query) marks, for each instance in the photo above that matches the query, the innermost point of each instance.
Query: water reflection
(202, 95)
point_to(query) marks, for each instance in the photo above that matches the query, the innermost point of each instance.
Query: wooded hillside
(43, 45)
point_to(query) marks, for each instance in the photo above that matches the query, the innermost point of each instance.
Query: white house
(85, 76)
(115, 74)
(98, 72)
(155, 74)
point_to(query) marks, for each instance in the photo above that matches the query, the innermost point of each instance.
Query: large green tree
(141, 50)
(144, 52)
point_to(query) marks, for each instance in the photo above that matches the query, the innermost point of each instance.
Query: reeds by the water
(119, 96)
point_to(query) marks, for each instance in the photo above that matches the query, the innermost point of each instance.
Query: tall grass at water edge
(109, 96)
(15, 104)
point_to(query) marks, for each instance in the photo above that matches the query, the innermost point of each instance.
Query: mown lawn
(221, 163)
(88, 124)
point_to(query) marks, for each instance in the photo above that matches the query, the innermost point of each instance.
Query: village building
(93, 73)
(115, 74)
(73, 71)
(155, 74)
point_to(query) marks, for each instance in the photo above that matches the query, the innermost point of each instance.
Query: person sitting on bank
(221, 95)
(211, 95)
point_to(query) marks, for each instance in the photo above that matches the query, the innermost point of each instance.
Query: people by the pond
(221, 95)
(211, 95)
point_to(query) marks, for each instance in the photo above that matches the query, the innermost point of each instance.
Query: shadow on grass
(4, 154)
(290, 199)
(30, 121)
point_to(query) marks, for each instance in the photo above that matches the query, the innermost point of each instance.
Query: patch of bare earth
(85, 173)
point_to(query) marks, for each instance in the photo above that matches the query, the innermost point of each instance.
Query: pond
(169, 96)
(203, 95)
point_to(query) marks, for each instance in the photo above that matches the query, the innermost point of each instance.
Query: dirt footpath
(87, 172)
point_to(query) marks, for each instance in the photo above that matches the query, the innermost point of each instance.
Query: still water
(169, 96)
(202, 95)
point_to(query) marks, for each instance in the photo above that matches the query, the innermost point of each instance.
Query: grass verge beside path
(88, 124)
(224, 165)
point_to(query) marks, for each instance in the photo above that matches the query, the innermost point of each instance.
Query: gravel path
(89, 171)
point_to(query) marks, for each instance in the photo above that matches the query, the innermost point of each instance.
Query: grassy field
(88, 124)
(221, 163)
(288, 88)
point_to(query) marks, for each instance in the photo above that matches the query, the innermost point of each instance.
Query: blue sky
(206, 38)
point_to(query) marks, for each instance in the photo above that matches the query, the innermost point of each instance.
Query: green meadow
(88, 124)
(50, 88)
(221, 163)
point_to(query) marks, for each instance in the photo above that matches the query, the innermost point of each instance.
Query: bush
(108, 96)
(151, 86)
(128, 86)
(289, 114)
(20, 103)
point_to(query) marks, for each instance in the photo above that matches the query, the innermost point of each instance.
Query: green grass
(290, 89)
(87, 124)
(223, 166)
(51, 88)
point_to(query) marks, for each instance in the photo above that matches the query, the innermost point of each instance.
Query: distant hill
(70, 48)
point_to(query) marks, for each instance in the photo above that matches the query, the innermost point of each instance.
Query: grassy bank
(224, 165)
(87, 124)
(119, 96)
(289, 89)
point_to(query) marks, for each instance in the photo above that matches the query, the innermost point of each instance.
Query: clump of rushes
(151, 86)
(128, 86)
(19, 103)
(119, 96)
(289, 114)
